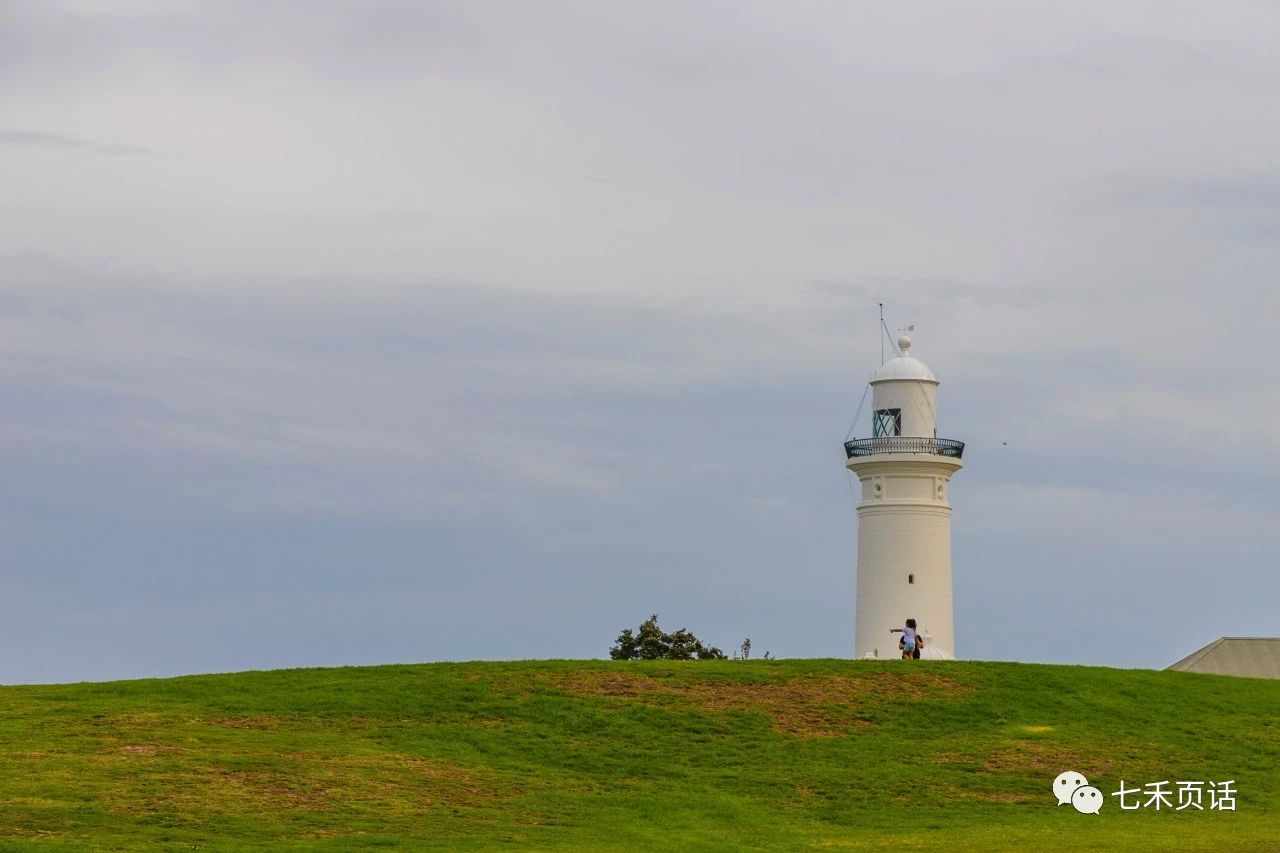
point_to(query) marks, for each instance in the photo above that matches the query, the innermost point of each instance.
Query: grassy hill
(602, 755)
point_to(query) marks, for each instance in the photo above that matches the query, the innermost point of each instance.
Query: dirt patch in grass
(255, 723)
(954, 792)
(24, 832)
(271, 789)
(820, 706)
(1043, 758)
(1271, 733)
(306, 782)
(1033, 757)
(136, 718)
(146, 748)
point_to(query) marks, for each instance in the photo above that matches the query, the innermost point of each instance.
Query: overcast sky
(369, 332)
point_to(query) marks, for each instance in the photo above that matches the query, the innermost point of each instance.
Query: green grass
(566, 755)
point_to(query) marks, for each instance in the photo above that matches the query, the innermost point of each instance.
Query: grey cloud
(579, 452)
(1253, 191)
(42, 139)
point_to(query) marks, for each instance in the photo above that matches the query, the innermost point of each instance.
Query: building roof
(905, 366)
(1251, 657)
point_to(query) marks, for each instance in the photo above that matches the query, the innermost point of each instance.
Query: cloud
(1247, 191)
(459, 402)
(40, 139)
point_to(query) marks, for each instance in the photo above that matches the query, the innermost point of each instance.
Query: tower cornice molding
(904, 463)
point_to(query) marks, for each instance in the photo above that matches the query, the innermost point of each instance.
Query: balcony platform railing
(903, 444)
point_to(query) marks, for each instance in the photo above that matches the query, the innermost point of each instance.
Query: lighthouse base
(904, 553)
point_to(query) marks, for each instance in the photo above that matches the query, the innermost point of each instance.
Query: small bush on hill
(650, 642)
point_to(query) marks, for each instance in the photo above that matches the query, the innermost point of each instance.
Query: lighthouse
(904, 517)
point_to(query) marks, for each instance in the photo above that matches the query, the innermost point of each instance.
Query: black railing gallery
(903, 444)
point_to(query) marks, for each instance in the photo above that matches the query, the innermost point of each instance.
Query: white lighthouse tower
(904, 519)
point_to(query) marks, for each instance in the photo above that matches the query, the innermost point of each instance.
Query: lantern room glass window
(886, 422)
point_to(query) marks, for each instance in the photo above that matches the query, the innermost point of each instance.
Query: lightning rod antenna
(881, 335)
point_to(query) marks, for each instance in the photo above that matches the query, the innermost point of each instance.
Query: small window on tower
(887, 422)
(911, 578)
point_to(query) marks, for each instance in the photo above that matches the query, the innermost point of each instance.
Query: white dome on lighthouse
(905, 366)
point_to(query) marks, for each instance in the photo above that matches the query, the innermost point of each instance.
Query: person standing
(910, 643)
